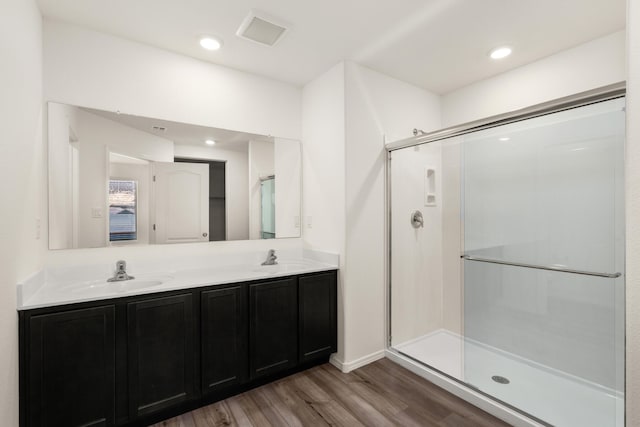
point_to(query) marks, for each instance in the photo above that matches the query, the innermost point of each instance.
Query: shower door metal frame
(594, 96)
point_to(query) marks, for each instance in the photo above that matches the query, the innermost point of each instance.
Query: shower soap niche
(430, 198)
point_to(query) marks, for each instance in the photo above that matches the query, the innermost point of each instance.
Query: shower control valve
(417, 220)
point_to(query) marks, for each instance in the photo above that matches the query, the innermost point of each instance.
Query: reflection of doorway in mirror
(268, 207)
(217, 197)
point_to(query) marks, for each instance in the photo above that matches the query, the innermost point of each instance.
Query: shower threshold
(555, 397)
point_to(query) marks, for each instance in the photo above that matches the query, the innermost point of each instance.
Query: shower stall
(506, 259)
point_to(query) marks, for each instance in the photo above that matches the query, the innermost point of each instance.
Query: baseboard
(347, 367)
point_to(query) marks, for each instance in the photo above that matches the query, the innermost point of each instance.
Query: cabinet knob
(204, 234)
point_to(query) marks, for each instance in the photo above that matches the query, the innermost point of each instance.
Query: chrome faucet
(271, 258)
(121, 273)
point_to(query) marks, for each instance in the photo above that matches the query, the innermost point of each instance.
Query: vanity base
(138, 360)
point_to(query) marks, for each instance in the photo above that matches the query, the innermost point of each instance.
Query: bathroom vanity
(135, 359)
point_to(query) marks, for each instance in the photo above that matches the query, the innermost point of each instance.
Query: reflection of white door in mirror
(181, 202)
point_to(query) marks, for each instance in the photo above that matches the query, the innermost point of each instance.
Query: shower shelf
(541, 267)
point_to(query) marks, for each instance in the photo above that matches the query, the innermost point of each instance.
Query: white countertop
(83, 283)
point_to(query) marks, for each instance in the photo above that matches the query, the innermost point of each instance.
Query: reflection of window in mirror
(122, 210)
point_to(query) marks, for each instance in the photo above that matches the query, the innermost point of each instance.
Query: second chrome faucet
(271, 258)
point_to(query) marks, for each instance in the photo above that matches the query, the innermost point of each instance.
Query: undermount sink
(123, 286)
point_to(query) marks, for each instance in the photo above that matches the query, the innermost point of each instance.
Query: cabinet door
(161, 353)
(71, 362)
(224, 338)
(273, 327)
(317, 316)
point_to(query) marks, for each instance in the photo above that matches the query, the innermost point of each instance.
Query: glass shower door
(543, 265)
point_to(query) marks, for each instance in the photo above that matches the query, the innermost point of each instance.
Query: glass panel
(547, 192)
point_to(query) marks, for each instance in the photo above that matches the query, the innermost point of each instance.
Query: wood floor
(379, 394)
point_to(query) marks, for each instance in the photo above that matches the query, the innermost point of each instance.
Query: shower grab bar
(541, 267)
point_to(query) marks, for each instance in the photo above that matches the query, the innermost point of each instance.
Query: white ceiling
(439, 45)
(184, 134)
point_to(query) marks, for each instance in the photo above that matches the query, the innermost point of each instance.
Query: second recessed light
(500, 52)
(210, 43)
(210, 142)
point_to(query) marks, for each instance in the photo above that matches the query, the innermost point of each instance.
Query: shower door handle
(541, 267)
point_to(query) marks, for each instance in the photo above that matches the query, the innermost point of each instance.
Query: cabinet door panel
(224, 338)
(273, 327)
(317, 307)
(161, 353)
(72, 368)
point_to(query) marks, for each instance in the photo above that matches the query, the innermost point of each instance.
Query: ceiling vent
(262, 28)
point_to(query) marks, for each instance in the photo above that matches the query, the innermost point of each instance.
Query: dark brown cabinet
(140, 359)
(273, 320)
(160, 335)
(224, 331)
(71, 363)
(317, 316)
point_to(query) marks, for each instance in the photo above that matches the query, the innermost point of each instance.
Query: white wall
(261, 164)
(288, 168)
(594, 64)
(378, 107)
(323, 173)
(236, 184)
(347, 113)
(91, 69)
(633, 215)
(21, 178)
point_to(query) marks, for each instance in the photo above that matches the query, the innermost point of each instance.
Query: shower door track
(541, 267)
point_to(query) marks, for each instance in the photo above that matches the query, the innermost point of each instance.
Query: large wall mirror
(118, 179)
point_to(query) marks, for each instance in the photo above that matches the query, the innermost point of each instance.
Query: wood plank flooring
(379, 394)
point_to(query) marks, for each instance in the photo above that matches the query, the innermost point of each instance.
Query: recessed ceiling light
(210, 142)
(504, 139)
(210, 43)
(500, 52)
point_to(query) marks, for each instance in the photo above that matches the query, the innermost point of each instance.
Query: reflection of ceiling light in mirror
(500, 52)
(210, 142)
(210, 43)
(504, 139)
